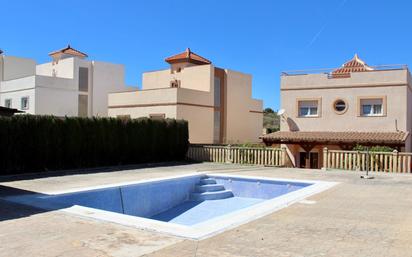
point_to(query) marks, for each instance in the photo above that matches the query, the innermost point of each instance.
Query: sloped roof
(68, 50)
(336, 137)
(187, 56)
(353, 65)
(4, 111)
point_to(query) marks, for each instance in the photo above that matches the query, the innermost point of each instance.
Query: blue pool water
(188, 200)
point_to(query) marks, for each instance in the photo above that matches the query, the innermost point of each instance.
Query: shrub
(39, 143)
(376, 148)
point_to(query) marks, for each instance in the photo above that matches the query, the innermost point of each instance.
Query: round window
(340, 106)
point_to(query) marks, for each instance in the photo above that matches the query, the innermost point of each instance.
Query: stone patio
(355, 218)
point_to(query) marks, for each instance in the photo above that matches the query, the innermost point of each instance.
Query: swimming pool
(192, 206)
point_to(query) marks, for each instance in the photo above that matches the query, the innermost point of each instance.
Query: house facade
(343, 107)
(69, 85)
(216, 102)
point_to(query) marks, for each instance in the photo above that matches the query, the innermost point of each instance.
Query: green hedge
(31, 143)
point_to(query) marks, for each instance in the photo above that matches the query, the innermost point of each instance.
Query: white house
(69, 85)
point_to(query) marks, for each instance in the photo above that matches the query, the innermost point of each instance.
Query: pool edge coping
(199, 231)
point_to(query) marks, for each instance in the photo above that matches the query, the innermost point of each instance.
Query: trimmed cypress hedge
(31, 143)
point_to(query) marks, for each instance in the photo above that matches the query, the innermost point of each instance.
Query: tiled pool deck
(354, 218)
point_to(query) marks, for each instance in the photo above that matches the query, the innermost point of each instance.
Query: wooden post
(395, 161)
(358, 161)
(228, 155)
(325, 159)
(283, 158)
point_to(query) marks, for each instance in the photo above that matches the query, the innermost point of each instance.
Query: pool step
(209, 188)
(207, 181)
(223, 194)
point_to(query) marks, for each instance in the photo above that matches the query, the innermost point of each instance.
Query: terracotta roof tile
(337, 137)
(68, 50)
(187, 56)
(353, 65)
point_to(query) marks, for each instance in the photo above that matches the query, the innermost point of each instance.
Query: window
(371, 107)
(7, 103)
(216, 127)
(157, 116)
(340, 106)
(83, 106)
(175, 83)
(217, 92)
(25, 103)
(83, 79)
(308, 108)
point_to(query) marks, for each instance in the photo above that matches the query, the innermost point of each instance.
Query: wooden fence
(395, 161)
(241, 155)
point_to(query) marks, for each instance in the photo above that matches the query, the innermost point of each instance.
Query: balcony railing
(328, 71)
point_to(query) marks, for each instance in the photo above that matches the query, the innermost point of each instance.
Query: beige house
(216, 102)
(343, 107)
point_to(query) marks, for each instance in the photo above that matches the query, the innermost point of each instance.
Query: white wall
(106, 78)
(16, 67)
(55, 101)
(16, 96)
(63, 69)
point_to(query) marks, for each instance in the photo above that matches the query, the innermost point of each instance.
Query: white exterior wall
(65, 68)
(16, 89)
(16, 67)
(56, 101)
(55, 88)
(106, 78)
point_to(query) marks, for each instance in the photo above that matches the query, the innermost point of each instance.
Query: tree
(271, 120)
(268, 110)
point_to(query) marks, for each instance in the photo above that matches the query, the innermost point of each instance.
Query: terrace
(354, 218)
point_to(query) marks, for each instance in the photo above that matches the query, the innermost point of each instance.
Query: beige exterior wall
(194, 101)
(394, 86)
(329, 120)
(199, 77)
(180, 103)
(242, 125)
(200, 121)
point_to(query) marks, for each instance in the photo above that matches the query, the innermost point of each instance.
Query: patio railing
(235, 154)
(395, 161)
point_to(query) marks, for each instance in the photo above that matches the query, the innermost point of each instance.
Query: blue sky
(259, 37)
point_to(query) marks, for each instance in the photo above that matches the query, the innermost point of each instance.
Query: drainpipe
(91, 88)
(1, 65)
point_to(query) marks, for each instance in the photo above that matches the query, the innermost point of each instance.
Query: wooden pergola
(307, 140)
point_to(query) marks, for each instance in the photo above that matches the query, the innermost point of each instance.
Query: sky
(261, 37)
